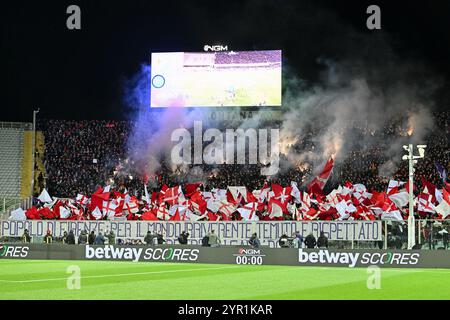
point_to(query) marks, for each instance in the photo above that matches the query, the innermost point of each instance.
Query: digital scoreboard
(215, 79)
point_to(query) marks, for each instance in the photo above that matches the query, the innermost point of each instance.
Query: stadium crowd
(82, 155)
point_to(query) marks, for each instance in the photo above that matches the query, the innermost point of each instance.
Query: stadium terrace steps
(11, 157)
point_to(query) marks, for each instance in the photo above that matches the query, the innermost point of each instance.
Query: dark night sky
(81, 74)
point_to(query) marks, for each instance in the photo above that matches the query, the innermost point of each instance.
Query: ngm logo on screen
(249, 256)
(215, 48)
(216, 78)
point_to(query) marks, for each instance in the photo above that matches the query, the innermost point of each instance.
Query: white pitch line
(117, 275)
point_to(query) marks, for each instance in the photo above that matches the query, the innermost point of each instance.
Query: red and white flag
(163, 213)
(319, 182)
(400, 199)
(109, 209)
(97, 214)
(130, 207)
(82, 199)
(394, 184)
(425, 203)
(248, 212)
(276, 208)
(171, 195)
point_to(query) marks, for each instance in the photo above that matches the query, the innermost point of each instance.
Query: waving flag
(425, 203)
(171, 195)
(213, 205)
(311, 214)
(97, 199)
(429, 188)
(400, 199)
(109, 209)
(263, 195)
(147, 196)
(33, 214)
(394, 184)
(392, 215)
(198, 203)
(162, 212)
(131, 207)
(45, 197)
(64, 213)
(227, 208)
(443, 209)
(97, 214)
(281, 194)
(319, 182)
(248, 212)
(295, 193)
(344, 209)
(192, 188)
(276, 208)
(81, 199)
(176, 216)
(18, 214)
(150, 216)
(333, 197)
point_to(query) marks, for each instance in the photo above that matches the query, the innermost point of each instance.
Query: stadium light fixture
(412, 160)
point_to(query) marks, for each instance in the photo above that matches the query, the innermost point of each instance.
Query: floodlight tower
(412, 161)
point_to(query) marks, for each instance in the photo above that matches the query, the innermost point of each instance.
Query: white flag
(18, 214)
(45, 197)
(64, 213)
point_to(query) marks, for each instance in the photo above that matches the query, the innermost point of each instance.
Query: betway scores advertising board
(232, 255)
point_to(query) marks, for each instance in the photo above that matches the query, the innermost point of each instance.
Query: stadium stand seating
(15, 160)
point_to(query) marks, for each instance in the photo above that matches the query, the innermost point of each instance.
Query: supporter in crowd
(83, 238)
(284, 241)
(111, 237)
(91, 238)
(26, 237)
(64, 237)
(160, 239)
(445, 238)
(213, 239)
(254, 241)
(183, 238)
(99, 239)
(310, 241)
(205, 241)
(298, 240)
(322, 241)
(70, 237)
(48, 237)
(149, 238)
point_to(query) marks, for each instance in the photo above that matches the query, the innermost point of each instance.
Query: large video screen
(215, 79)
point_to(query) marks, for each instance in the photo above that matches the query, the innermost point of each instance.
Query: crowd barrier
(238, 255)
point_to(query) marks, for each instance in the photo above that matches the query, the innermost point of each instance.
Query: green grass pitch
(31, 279)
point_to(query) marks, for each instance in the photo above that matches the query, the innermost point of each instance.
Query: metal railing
(10, 204)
